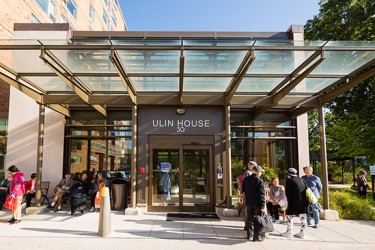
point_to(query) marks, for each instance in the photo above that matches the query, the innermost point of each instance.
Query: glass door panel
(196, 180)
(165, 177)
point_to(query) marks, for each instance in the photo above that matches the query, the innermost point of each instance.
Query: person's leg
(2, 200)
(17, 212)
(28, 200)
(289, 231)
(315, 210)
(308, 215)
(301, 233)
(257, 236)
(276, 212)
(250, 222)
(270, 209)
(245, 216)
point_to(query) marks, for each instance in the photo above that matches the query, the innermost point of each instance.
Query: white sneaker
(278, 221)
(288, 234)
(92, 209)
(300, 235)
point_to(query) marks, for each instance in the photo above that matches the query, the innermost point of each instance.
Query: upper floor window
(114, 3)
(72, 7)
(106, 3)
(114, 20)
(49, 7)
(34, 19)
(52, 11)
(91, 13)
(63, 19)
(43, 4)
(105, 18)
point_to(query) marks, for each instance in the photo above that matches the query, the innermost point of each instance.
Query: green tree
(351, 130)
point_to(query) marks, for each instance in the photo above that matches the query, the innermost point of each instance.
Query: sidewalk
(152, 231)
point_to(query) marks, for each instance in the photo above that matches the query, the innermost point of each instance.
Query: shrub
(350, 206)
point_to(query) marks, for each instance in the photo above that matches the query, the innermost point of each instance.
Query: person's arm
(16, 187)
(262, 195)
(319, 184)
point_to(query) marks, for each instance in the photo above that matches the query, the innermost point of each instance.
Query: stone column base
(226, 212)
(329, 214)
(132, 211)
(37, 210)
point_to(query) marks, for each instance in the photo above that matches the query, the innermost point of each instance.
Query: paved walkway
(152, 231)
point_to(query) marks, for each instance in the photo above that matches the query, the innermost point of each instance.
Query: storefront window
(266, 143)
(100, 146)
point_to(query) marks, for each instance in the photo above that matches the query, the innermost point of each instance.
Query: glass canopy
(263, 76)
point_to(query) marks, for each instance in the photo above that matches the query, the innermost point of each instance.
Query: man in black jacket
(297, 203)
(253, 187)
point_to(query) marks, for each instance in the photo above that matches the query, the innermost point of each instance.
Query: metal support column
(39, 159)
(323, 157)
(133, 197)
(227, 167)
(106, 150)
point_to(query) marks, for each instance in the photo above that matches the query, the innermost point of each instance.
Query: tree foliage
(351, 129)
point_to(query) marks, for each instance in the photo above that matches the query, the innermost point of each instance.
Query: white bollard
(105, 213)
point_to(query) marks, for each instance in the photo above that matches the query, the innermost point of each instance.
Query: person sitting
(276, 200)
(30, 189)
(63, 187)
(77, 185)
(97, 185)
(86, 184)
(4, 189)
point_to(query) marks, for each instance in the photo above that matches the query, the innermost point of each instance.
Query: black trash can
(120, 191)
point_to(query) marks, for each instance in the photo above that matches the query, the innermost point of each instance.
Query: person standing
(314, 183)
(297, 203)
(4, 189)
(362, 184)
(248, 171)
(253, 187)
(16, 190)
(30, 189)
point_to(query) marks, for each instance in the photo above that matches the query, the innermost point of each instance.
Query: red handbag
(10, 203)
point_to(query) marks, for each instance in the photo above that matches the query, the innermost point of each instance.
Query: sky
(217, 15)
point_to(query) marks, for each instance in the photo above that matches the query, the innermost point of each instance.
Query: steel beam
(115, 59)
(329, 96)
(295, 72)
(240, 74)
(284, 91)
(22, 87)
(83, 94)
(181, 75)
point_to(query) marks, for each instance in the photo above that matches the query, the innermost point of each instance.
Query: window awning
(269, 79)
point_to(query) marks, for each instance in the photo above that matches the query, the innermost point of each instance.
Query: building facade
(177, 113)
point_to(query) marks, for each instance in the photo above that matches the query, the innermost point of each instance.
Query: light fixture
(180, 111)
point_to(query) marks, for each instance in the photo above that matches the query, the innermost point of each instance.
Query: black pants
(273, 210)
(28, 199)
(251, 212)
(3, 197)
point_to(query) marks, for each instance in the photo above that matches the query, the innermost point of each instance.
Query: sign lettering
(181, 125)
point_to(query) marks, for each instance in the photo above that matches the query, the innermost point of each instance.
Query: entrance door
(196, 183)
(181, 178)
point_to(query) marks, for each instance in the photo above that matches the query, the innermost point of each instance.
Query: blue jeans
(314, 208)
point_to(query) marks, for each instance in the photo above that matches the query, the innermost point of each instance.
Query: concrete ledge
(226, 212)
(37, 210)
(219, 210)
(329, 214)
(132, 211)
